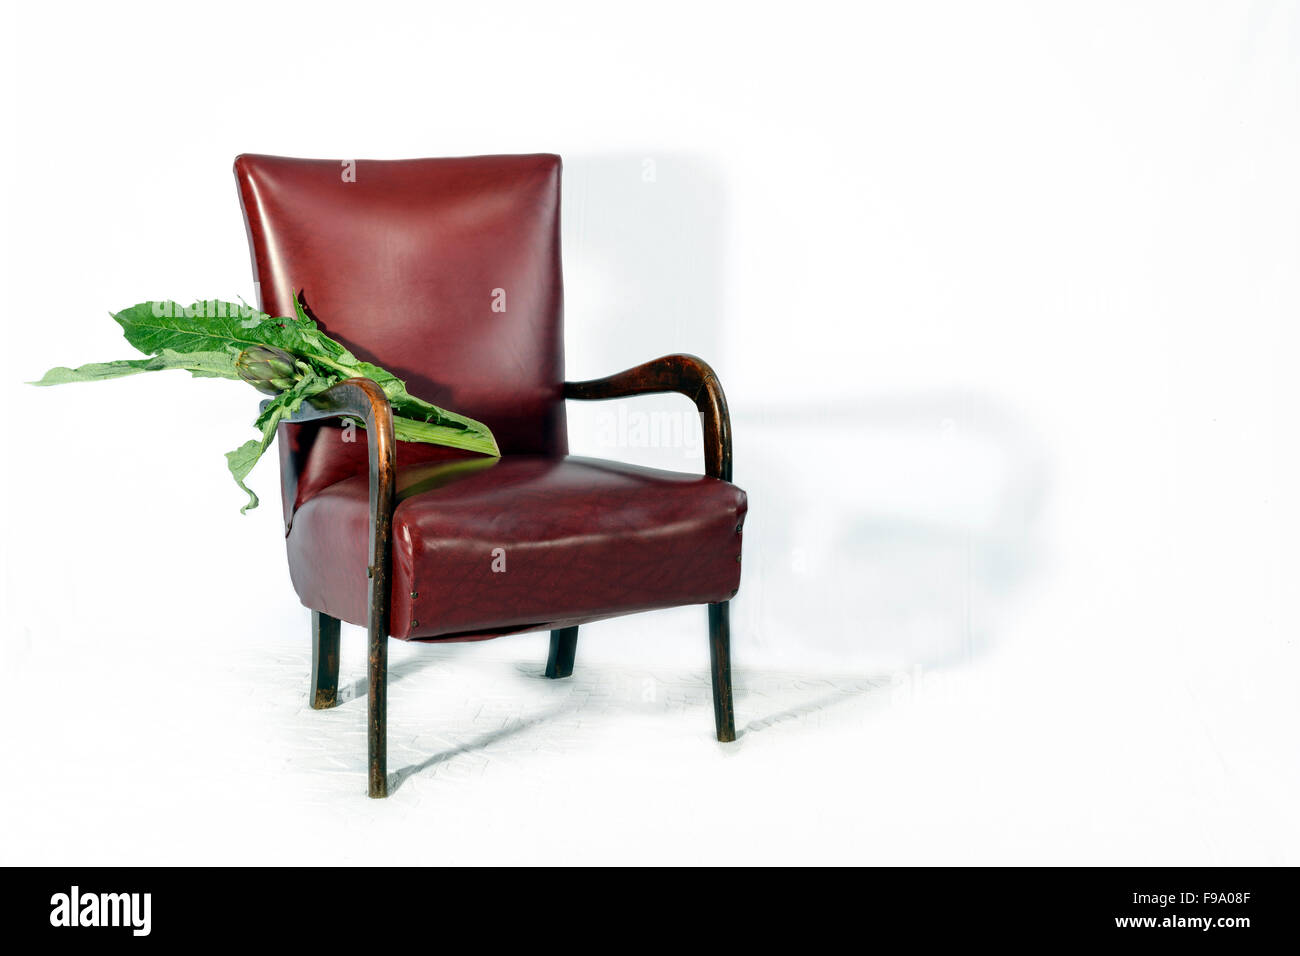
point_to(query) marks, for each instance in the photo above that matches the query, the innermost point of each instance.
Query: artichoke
(267, 369)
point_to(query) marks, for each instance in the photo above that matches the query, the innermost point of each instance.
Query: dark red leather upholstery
(402, 266)
(580, 539)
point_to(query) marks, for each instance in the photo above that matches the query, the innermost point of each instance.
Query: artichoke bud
(267, 369)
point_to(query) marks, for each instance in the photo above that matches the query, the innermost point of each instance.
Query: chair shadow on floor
(782, 698)
(474, 745)
(401, 670)
(857, 689)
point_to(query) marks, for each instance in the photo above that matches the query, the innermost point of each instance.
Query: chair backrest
(444, 271)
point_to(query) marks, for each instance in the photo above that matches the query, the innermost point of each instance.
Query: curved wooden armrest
(363, 398)
(353, 396)
(687, 375)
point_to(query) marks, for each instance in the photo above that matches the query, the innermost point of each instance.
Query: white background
(1004, 298)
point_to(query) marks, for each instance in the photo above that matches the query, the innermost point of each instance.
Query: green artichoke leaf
(424, 421)
(207, 338)
(335, 350)
(214, 364)
(243, 458)
(474, 437)
(213, 325)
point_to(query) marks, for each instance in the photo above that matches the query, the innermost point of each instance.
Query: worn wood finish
(564, 647)
(693, 378)
(324, 690)
(724, 715)
(687, 375)
(364, 399)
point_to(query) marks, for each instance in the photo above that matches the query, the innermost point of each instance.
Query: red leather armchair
(447, 272)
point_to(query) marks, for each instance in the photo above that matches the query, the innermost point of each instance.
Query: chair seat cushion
(483, 547)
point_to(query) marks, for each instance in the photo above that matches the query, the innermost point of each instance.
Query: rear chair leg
(564, 646)
(324, 690)
(724, 716)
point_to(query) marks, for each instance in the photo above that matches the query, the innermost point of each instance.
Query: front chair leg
(324, 690)
(377, 713)
(564, 647)
(724, 716)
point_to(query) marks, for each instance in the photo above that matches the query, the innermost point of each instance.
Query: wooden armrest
(361, 397)
(685, 374)
(364, 399)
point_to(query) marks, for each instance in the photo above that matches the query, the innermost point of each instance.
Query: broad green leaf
(404, 403)
(198, 364)
(443, 426)
(213, 325)
(477, 438)
(323, 342)
(243, 458)
(205, 338)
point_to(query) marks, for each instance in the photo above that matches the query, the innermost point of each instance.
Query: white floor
(216, 758)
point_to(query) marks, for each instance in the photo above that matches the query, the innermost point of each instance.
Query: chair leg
(324, 689)
(724, 716)
(564, 646)
(377, 712)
